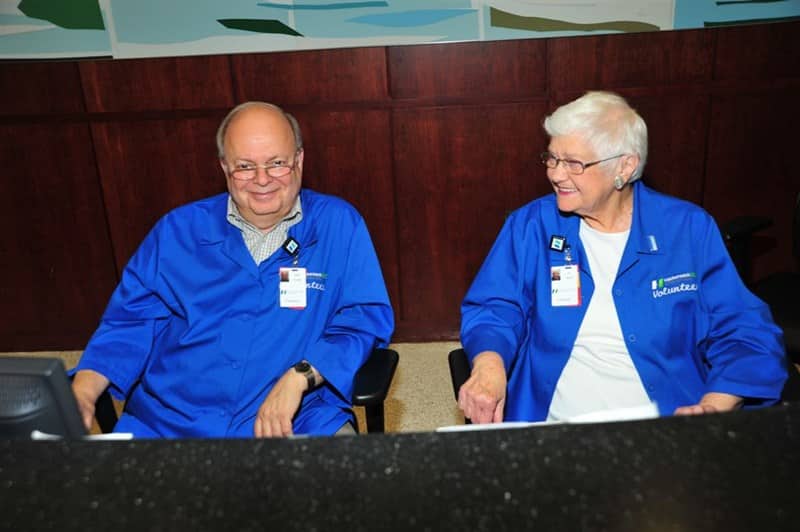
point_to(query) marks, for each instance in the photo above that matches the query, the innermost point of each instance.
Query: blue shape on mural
(407, 19)
(37, 37)
(339, 5)
(700, 13)
(177, 27)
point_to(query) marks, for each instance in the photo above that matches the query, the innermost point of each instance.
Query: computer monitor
(35, 394)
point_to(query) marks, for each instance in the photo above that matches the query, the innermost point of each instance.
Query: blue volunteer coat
(689, 323)
(194, 336)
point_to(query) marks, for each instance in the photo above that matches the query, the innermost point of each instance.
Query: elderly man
(247, 313)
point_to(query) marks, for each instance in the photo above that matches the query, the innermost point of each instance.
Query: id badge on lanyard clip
(565, 281)
(292, 285)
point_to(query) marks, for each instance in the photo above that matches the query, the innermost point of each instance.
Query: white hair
(608, 124)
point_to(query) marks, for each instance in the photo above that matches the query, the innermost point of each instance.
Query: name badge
(292, 288)
(565, 286)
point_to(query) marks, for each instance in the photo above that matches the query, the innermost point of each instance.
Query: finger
(481, 414)
(465, 399)
(87, 419)
(470, 406)
(479, 406)
(688, 410)
(286, 426)
(464, 402)
(275, 430)
(258, 428)
(498, 411)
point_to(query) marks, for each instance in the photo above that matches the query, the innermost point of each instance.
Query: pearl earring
(618, 182)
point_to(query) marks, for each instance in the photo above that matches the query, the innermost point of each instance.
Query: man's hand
(87, 385)
(274, 418)
(711, 403)
(483, 396)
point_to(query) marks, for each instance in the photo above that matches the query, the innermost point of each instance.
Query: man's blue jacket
(194, 337)
(689, 323)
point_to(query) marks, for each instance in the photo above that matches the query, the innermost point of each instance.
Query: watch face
(302, 367)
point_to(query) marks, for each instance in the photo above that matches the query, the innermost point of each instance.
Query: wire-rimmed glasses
(573, 166)
(247, 170)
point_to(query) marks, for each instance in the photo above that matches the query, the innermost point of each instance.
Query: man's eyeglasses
(573, 167)
(247, 170)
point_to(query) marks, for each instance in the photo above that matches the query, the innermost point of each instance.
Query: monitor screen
(35, 394)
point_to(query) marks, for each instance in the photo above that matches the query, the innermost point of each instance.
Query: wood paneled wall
(434, 144)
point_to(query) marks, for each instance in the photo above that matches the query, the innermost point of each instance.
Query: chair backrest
(796, 228)
(738, 236)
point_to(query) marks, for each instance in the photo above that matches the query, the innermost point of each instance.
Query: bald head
(258, 110)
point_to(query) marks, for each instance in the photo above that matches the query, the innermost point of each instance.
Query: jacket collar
(645, 228)
(644, 238)
(218, 229)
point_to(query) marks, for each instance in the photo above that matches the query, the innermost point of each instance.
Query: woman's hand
(483, 396)
(87, 385)
(711, 403)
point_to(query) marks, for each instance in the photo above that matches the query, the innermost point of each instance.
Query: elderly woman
(607, 294)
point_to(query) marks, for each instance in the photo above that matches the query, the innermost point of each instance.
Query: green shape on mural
(258, 25)
(72, 15)
(503, 19)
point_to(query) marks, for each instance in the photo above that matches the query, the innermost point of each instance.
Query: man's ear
(299, 160)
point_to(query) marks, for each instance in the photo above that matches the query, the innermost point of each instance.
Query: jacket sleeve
(743, 346)
(494, 308)
(122, 343)
(362, 318)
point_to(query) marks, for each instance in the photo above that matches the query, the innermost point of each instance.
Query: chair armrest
(104, 412)
(372, 381)
(459, 369)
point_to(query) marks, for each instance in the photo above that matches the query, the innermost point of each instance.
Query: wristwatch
(305, 368)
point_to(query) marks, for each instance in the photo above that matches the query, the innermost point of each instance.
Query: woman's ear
(628, 165)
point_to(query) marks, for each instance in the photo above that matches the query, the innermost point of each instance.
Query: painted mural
(37, 29)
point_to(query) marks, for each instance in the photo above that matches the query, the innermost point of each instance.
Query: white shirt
(599, 374)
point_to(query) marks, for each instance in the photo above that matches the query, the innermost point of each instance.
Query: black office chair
(370, 388)
(460, 370)
(372, 385)
(781, 290)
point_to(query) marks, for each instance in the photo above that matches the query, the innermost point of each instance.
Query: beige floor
(421, 396)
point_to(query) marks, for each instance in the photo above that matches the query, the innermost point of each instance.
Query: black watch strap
(305, 368)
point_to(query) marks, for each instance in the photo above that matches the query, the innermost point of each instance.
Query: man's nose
(262, 176)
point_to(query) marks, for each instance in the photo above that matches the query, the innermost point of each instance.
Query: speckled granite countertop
(737, 471)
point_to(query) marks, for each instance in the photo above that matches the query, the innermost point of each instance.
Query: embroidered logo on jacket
(316, 281)
(667, 286)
